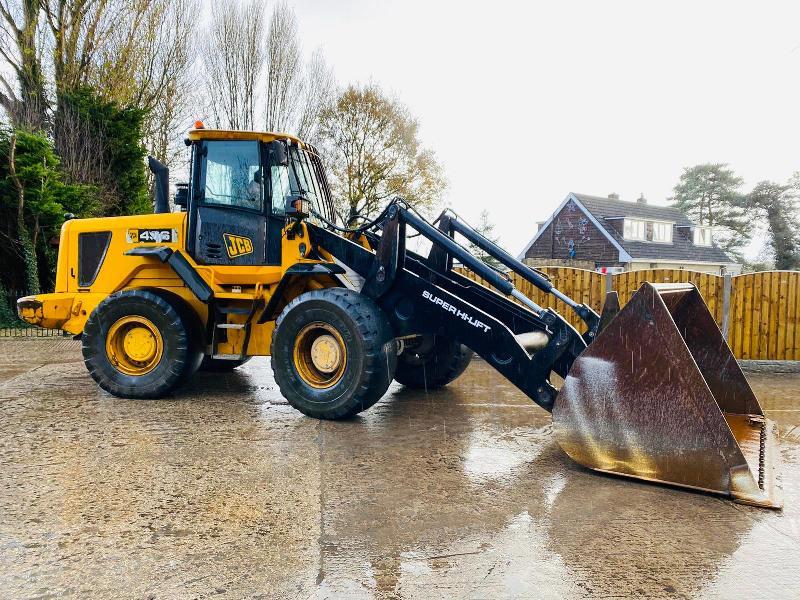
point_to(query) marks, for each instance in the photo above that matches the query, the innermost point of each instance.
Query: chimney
(613, 196)
(641, 199)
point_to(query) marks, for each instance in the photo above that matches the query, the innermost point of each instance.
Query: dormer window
(661, 232)
(635, 230)
(702, 236)
(647, 231)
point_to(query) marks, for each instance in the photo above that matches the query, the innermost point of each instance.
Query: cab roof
(228, 134)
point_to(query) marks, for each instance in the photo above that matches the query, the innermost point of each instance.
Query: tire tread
(375, 332)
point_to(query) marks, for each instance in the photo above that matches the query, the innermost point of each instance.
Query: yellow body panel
(224, 134)
(118, 270)
(70, 305)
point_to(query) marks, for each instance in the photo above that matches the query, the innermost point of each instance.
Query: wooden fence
(762, 320)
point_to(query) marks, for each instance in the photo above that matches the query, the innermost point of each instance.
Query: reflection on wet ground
(225, 490)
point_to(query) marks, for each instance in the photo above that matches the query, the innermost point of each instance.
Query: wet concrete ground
(224, 490)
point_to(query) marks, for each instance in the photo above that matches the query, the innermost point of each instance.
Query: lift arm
(446, 248)
(421, 300)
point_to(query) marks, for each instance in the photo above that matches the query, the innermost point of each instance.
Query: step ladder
(219, 310)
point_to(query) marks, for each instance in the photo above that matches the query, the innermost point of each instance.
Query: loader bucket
(659, 396)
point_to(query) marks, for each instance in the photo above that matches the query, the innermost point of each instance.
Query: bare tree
(233, 58)
(284, 69)
(90, 42)
(82, 32)
(164, 77)
(164, 49)
(372, 144)
(25, 100)
(136, 53)
(127, 50)
(94, 43)
(80, 146)
(318, 91)
(170, 118)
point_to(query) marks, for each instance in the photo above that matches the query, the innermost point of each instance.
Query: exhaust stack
(161, 174)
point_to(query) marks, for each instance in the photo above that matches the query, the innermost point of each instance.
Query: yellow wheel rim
(134, 345)
(320, 355)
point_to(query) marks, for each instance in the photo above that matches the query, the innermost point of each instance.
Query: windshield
(232, 174)
(304, 174)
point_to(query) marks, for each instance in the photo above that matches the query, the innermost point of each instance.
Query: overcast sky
(524, 102)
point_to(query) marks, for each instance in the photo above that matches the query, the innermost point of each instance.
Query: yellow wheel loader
(255, 264)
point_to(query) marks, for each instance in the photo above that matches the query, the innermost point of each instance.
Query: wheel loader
(255, 264)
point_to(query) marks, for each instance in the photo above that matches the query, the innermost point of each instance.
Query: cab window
(290, 180)
(281, 188)
(232, 174)
(302, 174)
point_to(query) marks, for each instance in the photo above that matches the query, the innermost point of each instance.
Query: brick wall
(571, 236)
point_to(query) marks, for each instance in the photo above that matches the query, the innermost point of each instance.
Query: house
(610, 234)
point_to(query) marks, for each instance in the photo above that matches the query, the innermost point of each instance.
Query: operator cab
(240, 183)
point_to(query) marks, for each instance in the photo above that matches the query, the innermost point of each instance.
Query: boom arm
(452, 225)
(425, 296)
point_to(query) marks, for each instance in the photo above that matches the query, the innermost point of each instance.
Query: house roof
(603, 211)
(608, 207)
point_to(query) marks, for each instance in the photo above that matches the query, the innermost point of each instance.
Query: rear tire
(216, 365)
(432, 364)
(333, 353)
(138, 344)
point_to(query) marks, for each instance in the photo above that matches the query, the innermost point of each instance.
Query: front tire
(138, 344)
(333, 353)
(432, 362)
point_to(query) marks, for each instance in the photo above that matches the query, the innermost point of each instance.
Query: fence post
(609, 282)
(726, 305)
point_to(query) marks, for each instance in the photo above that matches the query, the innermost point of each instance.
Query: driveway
(225, 491)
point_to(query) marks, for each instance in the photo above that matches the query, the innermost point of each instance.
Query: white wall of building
(716, 269)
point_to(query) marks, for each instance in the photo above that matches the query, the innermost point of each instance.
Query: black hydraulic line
(504, 257)
(458, 251)
(357, 230)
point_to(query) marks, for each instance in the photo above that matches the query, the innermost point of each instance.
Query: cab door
(278, 190)
(230, 223)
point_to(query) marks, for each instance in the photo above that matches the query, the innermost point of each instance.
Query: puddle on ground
(225, 490)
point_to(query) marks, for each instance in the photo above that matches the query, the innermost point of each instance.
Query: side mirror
(181, 195)
(278, 155)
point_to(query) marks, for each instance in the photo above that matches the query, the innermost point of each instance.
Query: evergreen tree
(776, 203)
(486, 228)
(710, 195)
(33, 201)
(87, 127)
(8, 317)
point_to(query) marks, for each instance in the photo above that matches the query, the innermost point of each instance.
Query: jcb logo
(236, 245)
